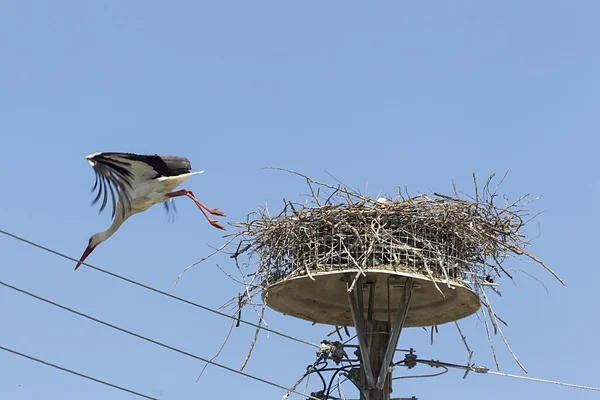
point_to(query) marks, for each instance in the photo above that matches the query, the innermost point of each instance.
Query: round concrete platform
(325, 299)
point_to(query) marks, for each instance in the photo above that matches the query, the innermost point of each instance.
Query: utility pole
(378, 336)
(377, 340)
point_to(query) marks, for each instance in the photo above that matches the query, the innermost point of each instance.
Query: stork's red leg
(202, 207)
(190, 194)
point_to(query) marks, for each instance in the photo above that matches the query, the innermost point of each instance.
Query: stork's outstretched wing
(118, 174)
(114, 177)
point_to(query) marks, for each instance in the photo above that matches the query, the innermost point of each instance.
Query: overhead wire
(485, 370)
(144, 286)
(422, 376)
(527, 378)
(76, 373)
(151, 340)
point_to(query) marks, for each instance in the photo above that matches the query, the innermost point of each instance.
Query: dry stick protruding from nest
(487, 330)
(494, 318)
(519, 251)
(262, 314)
(218, 352)
(464, 339)
(218, 250)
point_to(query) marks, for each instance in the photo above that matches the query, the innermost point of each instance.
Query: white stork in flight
(138, 182)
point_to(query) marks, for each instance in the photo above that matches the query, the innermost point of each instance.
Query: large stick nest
(441, 237)
(447, 239)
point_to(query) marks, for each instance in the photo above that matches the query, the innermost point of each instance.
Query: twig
(487, 330)
(262, 314)
(218, 352)
(464, 339)
(201, 260)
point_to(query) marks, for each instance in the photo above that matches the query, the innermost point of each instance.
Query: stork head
(95, 240)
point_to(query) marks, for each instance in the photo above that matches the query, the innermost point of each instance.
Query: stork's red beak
(86, 253)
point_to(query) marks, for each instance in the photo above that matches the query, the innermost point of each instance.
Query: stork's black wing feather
(113, 178)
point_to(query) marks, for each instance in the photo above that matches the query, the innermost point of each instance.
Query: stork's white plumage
(134, 183)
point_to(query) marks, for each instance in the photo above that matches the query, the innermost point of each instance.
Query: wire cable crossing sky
(159, 291)
(76, 373)
(151, 340)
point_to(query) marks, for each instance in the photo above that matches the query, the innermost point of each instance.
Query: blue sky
(378, 94)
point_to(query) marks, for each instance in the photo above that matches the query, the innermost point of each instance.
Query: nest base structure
(324, 298)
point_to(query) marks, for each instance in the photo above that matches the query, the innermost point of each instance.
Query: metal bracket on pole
(357, 311)
(396, 330)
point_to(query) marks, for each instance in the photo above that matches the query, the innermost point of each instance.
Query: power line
(527, 378)
(151, 340)
(485, 370)
(76, 373)
(157, 290)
